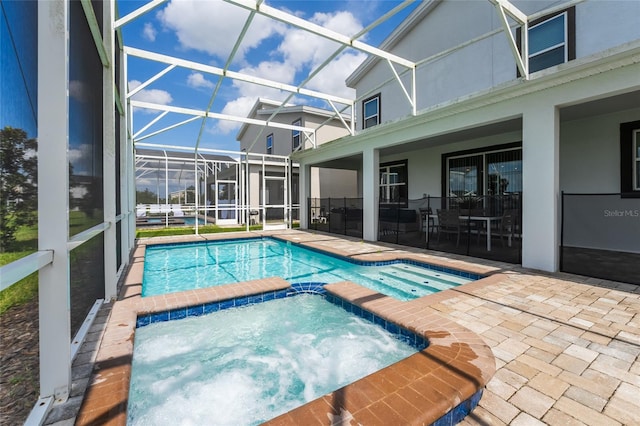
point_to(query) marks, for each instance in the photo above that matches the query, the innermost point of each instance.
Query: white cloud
(149, 32)
(250, 92)
(197, 80)
(239, 107)
(213, 26)
(78, 90)
(80, 156)
(301, 48)
(332, 77)
(270, 70)
(154, 96)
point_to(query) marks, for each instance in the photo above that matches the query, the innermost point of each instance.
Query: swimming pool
(180, 267)
(247, 365)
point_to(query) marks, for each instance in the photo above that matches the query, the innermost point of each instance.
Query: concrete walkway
(567, 347)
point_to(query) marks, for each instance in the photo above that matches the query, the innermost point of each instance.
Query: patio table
(486, 219)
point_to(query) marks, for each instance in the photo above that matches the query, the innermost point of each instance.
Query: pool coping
(434, 385)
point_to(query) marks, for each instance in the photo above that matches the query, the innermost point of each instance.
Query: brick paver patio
(566, 347)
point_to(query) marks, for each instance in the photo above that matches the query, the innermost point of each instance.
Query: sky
(205, 31)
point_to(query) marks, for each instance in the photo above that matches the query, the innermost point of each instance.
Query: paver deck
(566, 347)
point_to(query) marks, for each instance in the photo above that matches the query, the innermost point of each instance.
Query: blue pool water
(243, 366)
(190, 220)
(179, 267)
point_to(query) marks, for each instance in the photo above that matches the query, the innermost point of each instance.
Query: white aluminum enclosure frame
(207, 169)
(259, 7)
(504, 9)
(51, 260)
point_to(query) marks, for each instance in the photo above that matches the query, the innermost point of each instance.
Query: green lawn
(205, 229)
(26, 289)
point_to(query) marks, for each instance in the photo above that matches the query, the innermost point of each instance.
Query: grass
(26, 289)
(206, 229)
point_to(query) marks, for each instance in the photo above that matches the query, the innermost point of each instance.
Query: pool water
(243, 366)
(173, 268)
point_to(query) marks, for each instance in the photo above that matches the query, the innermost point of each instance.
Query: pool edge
(455, 355)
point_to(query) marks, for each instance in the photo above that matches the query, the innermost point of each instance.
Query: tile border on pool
(424, 388)
(401, 333)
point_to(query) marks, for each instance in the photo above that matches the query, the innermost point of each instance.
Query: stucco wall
(282, 138)
(425, 165)
(590, 153)
(486, 63)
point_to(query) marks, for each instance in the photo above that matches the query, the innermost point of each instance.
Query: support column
(305, 193)
(109, 160)
(126, 207)
(540, 187)
(130, 159)
(53, 199)
(370, 193)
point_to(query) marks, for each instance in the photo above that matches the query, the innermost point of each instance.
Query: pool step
(432, 280)
(400, 288)
(431, 273)
(416, 287)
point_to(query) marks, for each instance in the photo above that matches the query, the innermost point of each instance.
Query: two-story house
(526, 102)
(258, 141)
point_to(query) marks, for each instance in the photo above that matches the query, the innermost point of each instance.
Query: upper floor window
(270, 144)
(371, 112)
(552, 40)
(295, 135)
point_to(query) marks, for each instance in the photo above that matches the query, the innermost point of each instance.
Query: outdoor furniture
(177, 210)
(398, 219)
(449, 223)
(253, 217)
(427, 220)
(464, 224)
(508, 225)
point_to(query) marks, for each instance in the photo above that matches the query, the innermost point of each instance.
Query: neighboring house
(323, 126)
(480, 128)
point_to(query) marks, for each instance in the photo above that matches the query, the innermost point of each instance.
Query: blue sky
(206, 30)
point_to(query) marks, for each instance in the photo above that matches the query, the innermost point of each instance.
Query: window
(270, 144)
(295, 135)
(630, 158)
(489, 171)
(552, 40)
(393, 183)
(371, 112)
